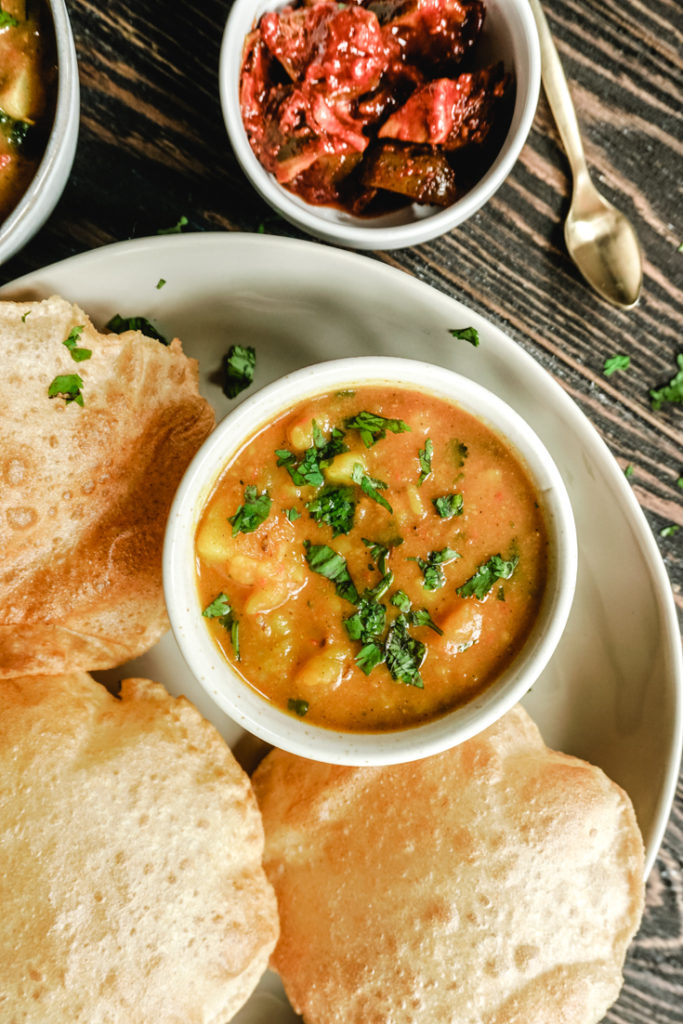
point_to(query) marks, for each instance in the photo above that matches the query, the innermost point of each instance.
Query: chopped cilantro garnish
(669, 531)
(221, 610)
(308, 469)
(470, 334)
(421, 617)
(425, 457)
(368, 621)
(496, 568)
(24, 315)
(334, 506)
(160, 283)
(614, 363)
(292, 514)
(401, 601)
(238, 369)
(629, 471)
(77, 354)
(252, 513)
(679, 482)
(404, 654)
(299, 707)
(330, 564)
(7, 20)
(380, 552)
(448, 505)
(671, 392)
(432, 567)
(458, 452)
(181, 223)
(67, 386)
(373, 427)
(370, 486)
(370, 656)
(118, 324)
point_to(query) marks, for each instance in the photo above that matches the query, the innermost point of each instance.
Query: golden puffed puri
(131, 884)
(85, 490)
(497, 883)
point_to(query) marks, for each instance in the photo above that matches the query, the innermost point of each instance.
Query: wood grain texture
(153, 147)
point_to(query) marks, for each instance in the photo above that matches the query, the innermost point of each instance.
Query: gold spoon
(600, 239)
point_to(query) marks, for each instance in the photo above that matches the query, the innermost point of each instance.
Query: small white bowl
(244, 704)
(509, 35)
(47, 185)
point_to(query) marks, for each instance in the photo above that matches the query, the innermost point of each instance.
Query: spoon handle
(558, 94)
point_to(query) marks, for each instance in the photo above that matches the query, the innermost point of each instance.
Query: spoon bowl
(602, 242)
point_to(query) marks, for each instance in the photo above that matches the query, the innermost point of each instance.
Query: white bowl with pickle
(369, 561)
(377, 125)
(39, 114)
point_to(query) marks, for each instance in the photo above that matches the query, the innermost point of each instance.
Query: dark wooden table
(153, 148)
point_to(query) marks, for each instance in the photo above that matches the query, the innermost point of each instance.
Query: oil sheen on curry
(371, 559)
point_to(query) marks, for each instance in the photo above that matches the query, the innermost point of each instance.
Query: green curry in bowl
(28, 88)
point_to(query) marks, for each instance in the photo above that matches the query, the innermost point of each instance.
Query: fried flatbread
(86, 489)
(497, 883)
(131, 883)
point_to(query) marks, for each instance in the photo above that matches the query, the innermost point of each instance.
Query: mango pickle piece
(422, 174)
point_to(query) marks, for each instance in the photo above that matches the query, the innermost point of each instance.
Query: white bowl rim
(47, 184)
(281, 729)
(361, 233)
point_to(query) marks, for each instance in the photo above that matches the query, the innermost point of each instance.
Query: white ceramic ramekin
(47, 185)
(284, 730)
(509, 35)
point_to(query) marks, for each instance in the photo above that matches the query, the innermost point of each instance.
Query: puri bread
(131, 883)
(85, 491)
(497, 883)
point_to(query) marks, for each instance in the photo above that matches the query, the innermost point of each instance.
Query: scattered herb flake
(160, 283)
(238, 369)
(671, 392)
(679, 482)
(181, 223)
(629, 471)
(614, 363)
(669, 531)
(330, 564)
(118, 324)
(373, 427)
(24, 315)
(448, 505)
(470, 334)
(425, 457)
(404, 654)
(77, 354)
(368, 621)
(370, 656)
(7, 20)
(370, 486)
(421, 617)
(67, 386)
(292, 514)
(221, 610)
(299, 707)
(334, 506)
(496, 568)
(252, 513)
(458, 451)
(431, 567)
(401, 601)
(308, 469)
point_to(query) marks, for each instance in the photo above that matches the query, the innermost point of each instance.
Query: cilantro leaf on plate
(238, 369)
(118, 324)
(470, 334)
